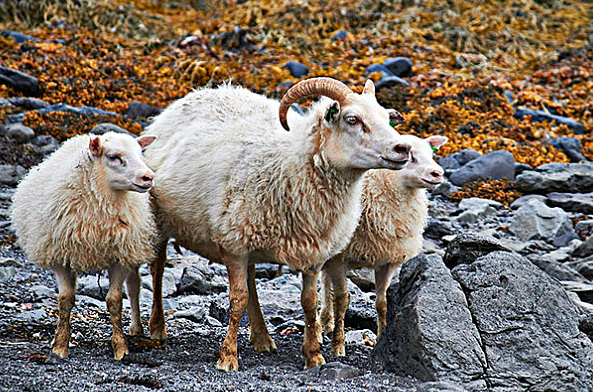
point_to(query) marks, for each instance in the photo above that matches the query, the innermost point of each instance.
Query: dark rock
(11, 175)
(495, 165)
(46, 143)
(586, 325)
(20, 133)
(584, 228)
(541, 116)
(467, 247)
(363, 278)
(557, 177)
(379, 68)
(534, 220)
(342, 34)
(108, 127)
(521, 167)
(476, 208)
(555, 269)
(585, 268)
(515, 306)
(83, 110)
(430, 334)
(297, 69)
(219, 310)
(15, 118)
(18, 37)
(584, 291)
(518, 203)
(445, 189)
(26, 84)
(361, 313)
(574, 202)
(437, 229)
(142, 110)
(458, 159)
(440, 386)
(571, 147)
(35, 316)
(94, 286)
(195, 314)
(390, 81)
(399, 66)
(199, 278)
(585, 249)
(334, 371)
(28, 103)
(565, 239)
(267, 271)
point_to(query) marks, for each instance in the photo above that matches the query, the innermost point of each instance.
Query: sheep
(394, 214)
(232, 186)
(86, 208)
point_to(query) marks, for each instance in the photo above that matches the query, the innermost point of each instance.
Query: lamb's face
(121, 157)
(363, 135)
(422, 171)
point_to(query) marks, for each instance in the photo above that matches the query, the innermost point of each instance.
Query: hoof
(136, 330)
(61, 352)
(119, 353)
(339, 351)
(262, 342)
(227, 364)
(158, 335)
(314, 361)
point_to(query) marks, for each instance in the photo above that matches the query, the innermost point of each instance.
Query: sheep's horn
(328, 87)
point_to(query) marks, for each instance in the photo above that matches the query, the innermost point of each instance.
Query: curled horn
(328, 87)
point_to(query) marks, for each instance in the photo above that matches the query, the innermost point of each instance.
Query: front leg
(383, 275)
(238, 297)
(133, 285)
(311, 349)
(258, 332)
(156, 325)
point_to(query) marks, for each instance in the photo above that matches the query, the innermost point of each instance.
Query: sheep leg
(156, 324)
(311, 348)
(258, 333)
(133, 286)
(66, 279)
(327, 303)
(383, 275)
(117, 275)
(238, 297)
(341, 299)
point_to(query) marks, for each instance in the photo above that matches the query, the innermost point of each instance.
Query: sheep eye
(115, 158)
(352, 120)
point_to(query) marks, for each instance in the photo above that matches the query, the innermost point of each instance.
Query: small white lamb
(74, 213)
(394, 214)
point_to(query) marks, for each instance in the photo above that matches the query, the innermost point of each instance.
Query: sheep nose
(437, 173)
(147, 177)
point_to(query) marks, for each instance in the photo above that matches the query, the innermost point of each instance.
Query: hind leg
(156, 325)
(383, 275)
(133, 285)
(66, 279)
(117, 275)
(258, 333)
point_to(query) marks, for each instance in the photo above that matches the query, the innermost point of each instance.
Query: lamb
(394, 214)
(85, 208)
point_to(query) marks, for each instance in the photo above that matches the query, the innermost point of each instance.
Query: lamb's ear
(436, 141)
(145, 140)
(95, 147)
(369, 87)
(332, 112)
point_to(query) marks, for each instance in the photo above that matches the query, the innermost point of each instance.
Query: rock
(7, 273)
(584, 228)
(341, 34)
(169, 284)
(571, 147)
(333, 371)
(467, 247)
(137, 109)
(364, 278)
(582, 289)
(18, 37)
(518, 203)
(18, 81)
(269, 271)
(438, 228)
(430, 334)
(361, 313)
(46, 143)
(515, 306)
(445, 189)
(380, 68)
(535, 220)
(521, 167)
(195, 314)
(557, 177)
(565, 239)
(42, 291)
(585, 268)
(399, 66)
(219, 310)
(556, 269)
(28, 103)
(458, 159)
(11, 174)
(586, 325)
(108, 127)
(20, 133)
(199, 278)
(35, 316)
(93, 286)
(541, 116)
(83, 110)
(297, 70)
(390, 81)
(477, 209)
(495, 165)
(440, 386)
(585, 249)
(574, 202)
(364, 337)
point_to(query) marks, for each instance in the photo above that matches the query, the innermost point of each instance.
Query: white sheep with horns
(234, 187)
(86, 208)
(394, 215)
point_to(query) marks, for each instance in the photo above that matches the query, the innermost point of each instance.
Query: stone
(521, 201)
(380, 68)
(46, 143)
(542, 116)
(361, 337)
(570, 146)
(521, 167)
(333, 371)
(108, 127)
(445, 189)
(20, 133)
(458, 159)
(169, 284)
(195, 314)
(11, 174)
(515, 306)
(211, 321)
(341, 34)
(390, 81)
(35, 316)
(440, 386)
(585, 268)
(268, 271)
(18, 37)
(28, 103)
(556, 269)
(84, 110)
(565, 239)
(574, 202)
(438, 228)
(199, 278)
(585, 249)
(93, 286)
(582, 289)
(42, 291)
(467, 247)
(476, 208)
(296, 69)
(364, 278)
(219, 309)
(495, 165)
(137, 109)
(7, 273)
(584, 228)
(18, 81)
(430, 334)
(361, 313)
(534, 220)
(399, 66)
(557, 177)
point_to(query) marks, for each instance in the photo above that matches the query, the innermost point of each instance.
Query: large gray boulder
(557, 177)
(534, 220)
(574, 202)
(495, 165)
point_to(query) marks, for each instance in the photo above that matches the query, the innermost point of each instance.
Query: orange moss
(497, 190)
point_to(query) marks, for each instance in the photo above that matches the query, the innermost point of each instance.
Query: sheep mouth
(393, 163)
(142, 187)
(432, 183)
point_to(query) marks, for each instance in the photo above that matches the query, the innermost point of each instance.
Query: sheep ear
(437, 141)
(95, 146)
(369, 87)
(332, 112)
(145, 140)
